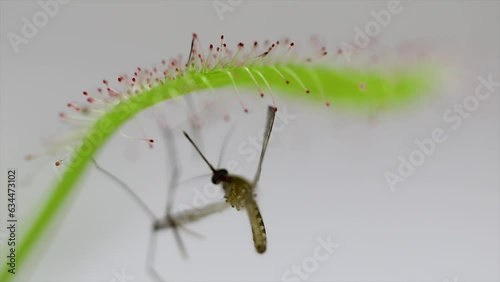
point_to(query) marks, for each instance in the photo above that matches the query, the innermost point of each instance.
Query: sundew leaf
(271, 69)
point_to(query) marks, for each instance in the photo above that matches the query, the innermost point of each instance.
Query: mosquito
(239, 192)
(172, 221)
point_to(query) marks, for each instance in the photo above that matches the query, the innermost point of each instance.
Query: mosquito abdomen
(258, 228)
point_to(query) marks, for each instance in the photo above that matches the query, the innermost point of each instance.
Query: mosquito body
(240, 193)
(174, 221)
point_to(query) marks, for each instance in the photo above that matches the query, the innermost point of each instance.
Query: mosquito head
(220, 175)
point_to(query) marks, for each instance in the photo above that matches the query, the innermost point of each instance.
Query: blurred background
(324, 173)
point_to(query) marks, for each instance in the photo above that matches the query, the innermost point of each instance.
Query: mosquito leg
(176, 222)
(151, 257)
(190, 52)
(127, 189)
(271, 112)
(173, 162)
(224, 144)
(178, 239)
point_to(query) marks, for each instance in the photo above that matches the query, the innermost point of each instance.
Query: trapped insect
(239, 192)
(174, 221)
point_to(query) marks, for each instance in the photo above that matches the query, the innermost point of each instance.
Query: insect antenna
(271, 112)
(199, 152)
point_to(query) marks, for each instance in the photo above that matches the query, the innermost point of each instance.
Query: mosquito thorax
(238, 192)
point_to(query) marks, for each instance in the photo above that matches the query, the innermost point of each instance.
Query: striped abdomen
(258, 228)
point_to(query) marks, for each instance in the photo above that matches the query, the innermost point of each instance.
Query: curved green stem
(339, 86)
